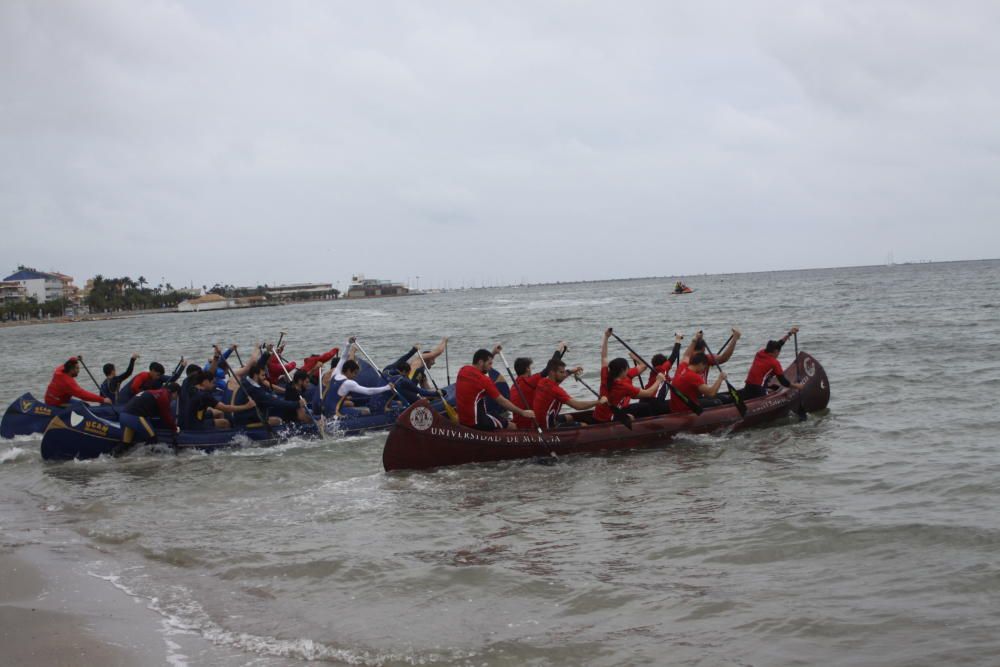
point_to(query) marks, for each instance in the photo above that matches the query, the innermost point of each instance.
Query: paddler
(550, 397)
(203, 410)
(147, 405)
(112, 383)
(151, 379)
(690, 381)
(658, 404)
(766, 366)
(276, 409)
(698, 346)
(616, 384)
(473, 386)
(63, 386)
(526, 382)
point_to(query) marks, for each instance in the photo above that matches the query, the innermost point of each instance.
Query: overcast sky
(253, 142)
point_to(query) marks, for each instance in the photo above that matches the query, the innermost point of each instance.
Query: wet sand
(51, 615)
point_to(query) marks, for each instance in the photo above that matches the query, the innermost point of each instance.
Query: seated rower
(766, 366)
(203, 411)
(274, 408)
(698, 345)
(417, 373)
(63, 386)
(473, 386)
(112, 383)
(658, 404)
(691, 382)
(151, 379)
(344, 387)
(550, 397)
(617, 386)
(407, 388)
(145, 406)
(522, 394)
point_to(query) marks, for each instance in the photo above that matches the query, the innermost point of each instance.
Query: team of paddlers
(269, 389)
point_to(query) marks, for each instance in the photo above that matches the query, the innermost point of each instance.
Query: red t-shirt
(527, 383)
(549, 397)
(763, 367)
(687, 382)
(139, 382)
(620, 394)
(471, 388)
(662, 368)
(63, 387)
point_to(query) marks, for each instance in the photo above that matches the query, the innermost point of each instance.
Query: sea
(868, 534)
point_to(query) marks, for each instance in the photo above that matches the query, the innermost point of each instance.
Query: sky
(494, 142)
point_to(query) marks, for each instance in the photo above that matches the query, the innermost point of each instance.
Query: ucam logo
(421, 418)
(809, 366)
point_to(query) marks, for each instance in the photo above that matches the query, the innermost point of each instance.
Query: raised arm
(727, 352)
(604, 347)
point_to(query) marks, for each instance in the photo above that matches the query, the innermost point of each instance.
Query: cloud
(255, 142)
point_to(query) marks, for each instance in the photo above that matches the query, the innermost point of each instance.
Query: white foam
(13, 455)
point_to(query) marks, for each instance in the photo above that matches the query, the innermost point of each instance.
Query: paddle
(281, 337)
(800, 411)
(447, 366)
(518, 387)
(620, 415)
(320, 426)
(380, 373)
(694, 406)
(450, 411)
(735, 395)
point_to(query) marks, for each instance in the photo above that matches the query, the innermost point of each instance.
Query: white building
(43, 286)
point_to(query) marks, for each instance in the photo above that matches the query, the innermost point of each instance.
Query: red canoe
(422, 438)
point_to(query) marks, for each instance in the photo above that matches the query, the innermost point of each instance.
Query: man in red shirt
(766, 366)
(63, 386)
(473, 386)
(550, 397)
(690, 382)
(698, 345)
(527, 381)
(617, 386)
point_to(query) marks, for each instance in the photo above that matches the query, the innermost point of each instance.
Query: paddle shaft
(452, 415)
(447, 365)
(695, 407)
(519, 392)
(735, 395)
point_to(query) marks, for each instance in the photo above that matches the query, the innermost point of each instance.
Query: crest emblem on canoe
(25, 405)
(75, 418)
(421, 418)
(809, 367)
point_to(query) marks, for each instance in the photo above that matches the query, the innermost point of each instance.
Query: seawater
(866, 535)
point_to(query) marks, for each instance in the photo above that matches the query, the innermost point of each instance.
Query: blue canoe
(80, 434)
(27, 415)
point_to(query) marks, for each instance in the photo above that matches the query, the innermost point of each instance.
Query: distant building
(12, 292)
(41, 285)
(218, 302)
(300, 291)
(362, 288)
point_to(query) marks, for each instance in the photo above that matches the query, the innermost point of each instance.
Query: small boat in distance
(681, 288)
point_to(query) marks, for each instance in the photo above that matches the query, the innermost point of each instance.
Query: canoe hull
(27, 415)
(422, 439)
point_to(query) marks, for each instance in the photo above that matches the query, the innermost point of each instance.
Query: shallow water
(863, 536)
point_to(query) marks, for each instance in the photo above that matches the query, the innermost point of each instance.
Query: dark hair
(200, 376)
(615, 368)
(299, 375)
(173, 387)
(403, 368)
(658, 359)
(698, 359)
(350, 365)
(699, 345)
(774, 345)
(481, 355)
(521, 365)
(70, 363)
(158, 367)
(108, 369)
(554, 365)
(192, 369)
